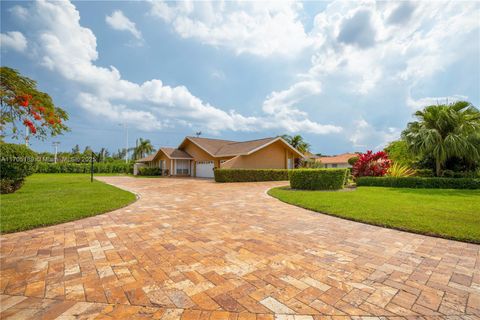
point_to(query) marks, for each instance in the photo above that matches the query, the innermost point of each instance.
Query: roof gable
(174, 153)
(211, 146)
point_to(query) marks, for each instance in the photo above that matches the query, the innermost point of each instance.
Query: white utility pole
(125, 125)
(55, 145)
(27, 133)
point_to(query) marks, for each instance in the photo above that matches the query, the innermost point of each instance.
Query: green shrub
(352, 160)
(17, 162)
(312, 164)
(318, 179)
(420, 182)
(250, 175)
(424, 173)
(146, 171)
(98, 167)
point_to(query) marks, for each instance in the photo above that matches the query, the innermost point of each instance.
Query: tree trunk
(438, 167)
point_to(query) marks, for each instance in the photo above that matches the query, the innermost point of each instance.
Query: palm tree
(297, 142)
(445, 131)
(102, 154)
(143, 148)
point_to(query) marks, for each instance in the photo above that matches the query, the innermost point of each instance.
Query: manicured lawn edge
(78, 217)
(387, 226)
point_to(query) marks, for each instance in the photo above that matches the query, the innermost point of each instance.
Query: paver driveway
(199, 250)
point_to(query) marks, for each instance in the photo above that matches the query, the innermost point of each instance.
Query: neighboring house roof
(174, 153)
(226, 148)
(341, 158)
(147, 158)
(310, 155)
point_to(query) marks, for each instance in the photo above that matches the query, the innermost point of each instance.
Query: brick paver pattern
(194, 249)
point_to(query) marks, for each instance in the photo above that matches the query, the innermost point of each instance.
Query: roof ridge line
(254, 140)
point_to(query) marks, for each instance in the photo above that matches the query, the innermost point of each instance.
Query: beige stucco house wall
(273, 156)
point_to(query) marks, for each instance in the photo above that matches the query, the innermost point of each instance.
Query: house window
(334, 165)
(182, 167)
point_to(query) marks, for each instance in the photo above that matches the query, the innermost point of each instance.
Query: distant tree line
(142, 149)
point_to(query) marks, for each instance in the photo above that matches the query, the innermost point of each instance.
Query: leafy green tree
(399, 152)
(297, 142)
(143, 148)
(445, 131)
(22, 104)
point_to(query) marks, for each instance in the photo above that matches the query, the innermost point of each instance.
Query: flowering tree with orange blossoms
(23, 105)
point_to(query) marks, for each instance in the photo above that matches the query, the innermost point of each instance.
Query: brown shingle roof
(210, 145)
(219, 148)
(237, 148)
(176, 153)
(147, 158)
(341, 158)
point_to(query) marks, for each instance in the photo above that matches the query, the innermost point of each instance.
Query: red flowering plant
(371, 164)
(22, 103)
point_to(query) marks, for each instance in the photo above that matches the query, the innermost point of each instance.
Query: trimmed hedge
(250, 175)
(419, 182)
(100, 167)
(146, 171)
(318, 179)
(16, 162)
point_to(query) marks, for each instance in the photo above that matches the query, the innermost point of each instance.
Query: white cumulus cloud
(254, 27)
(69, 49)
(365, 50)
(118, 21)
(14, 40)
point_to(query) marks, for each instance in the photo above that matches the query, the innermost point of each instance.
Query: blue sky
(345, 75)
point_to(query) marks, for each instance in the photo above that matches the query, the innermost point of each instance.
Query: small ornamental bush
(146, 171)
(312, 164)
(400, 170)
(250, 175)
(419, 182)
(371, 164)
(17, 162)
(352, 160)
(318, 179)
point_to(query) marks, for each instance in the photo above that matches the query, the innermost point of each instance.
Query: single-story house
(198, 157)
(340, 161)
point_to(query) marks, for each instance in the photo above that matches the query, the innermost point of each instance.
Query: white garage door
(205, 169)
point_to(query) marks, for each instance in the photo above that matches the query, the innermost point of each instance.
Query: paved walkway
(193, 249)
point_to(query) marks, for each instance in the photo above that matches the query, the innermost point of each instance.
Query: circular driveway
(195, 249)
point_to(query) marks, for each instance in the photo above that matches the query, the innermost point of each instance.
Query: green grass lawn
(52, 198)
(453, 214)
